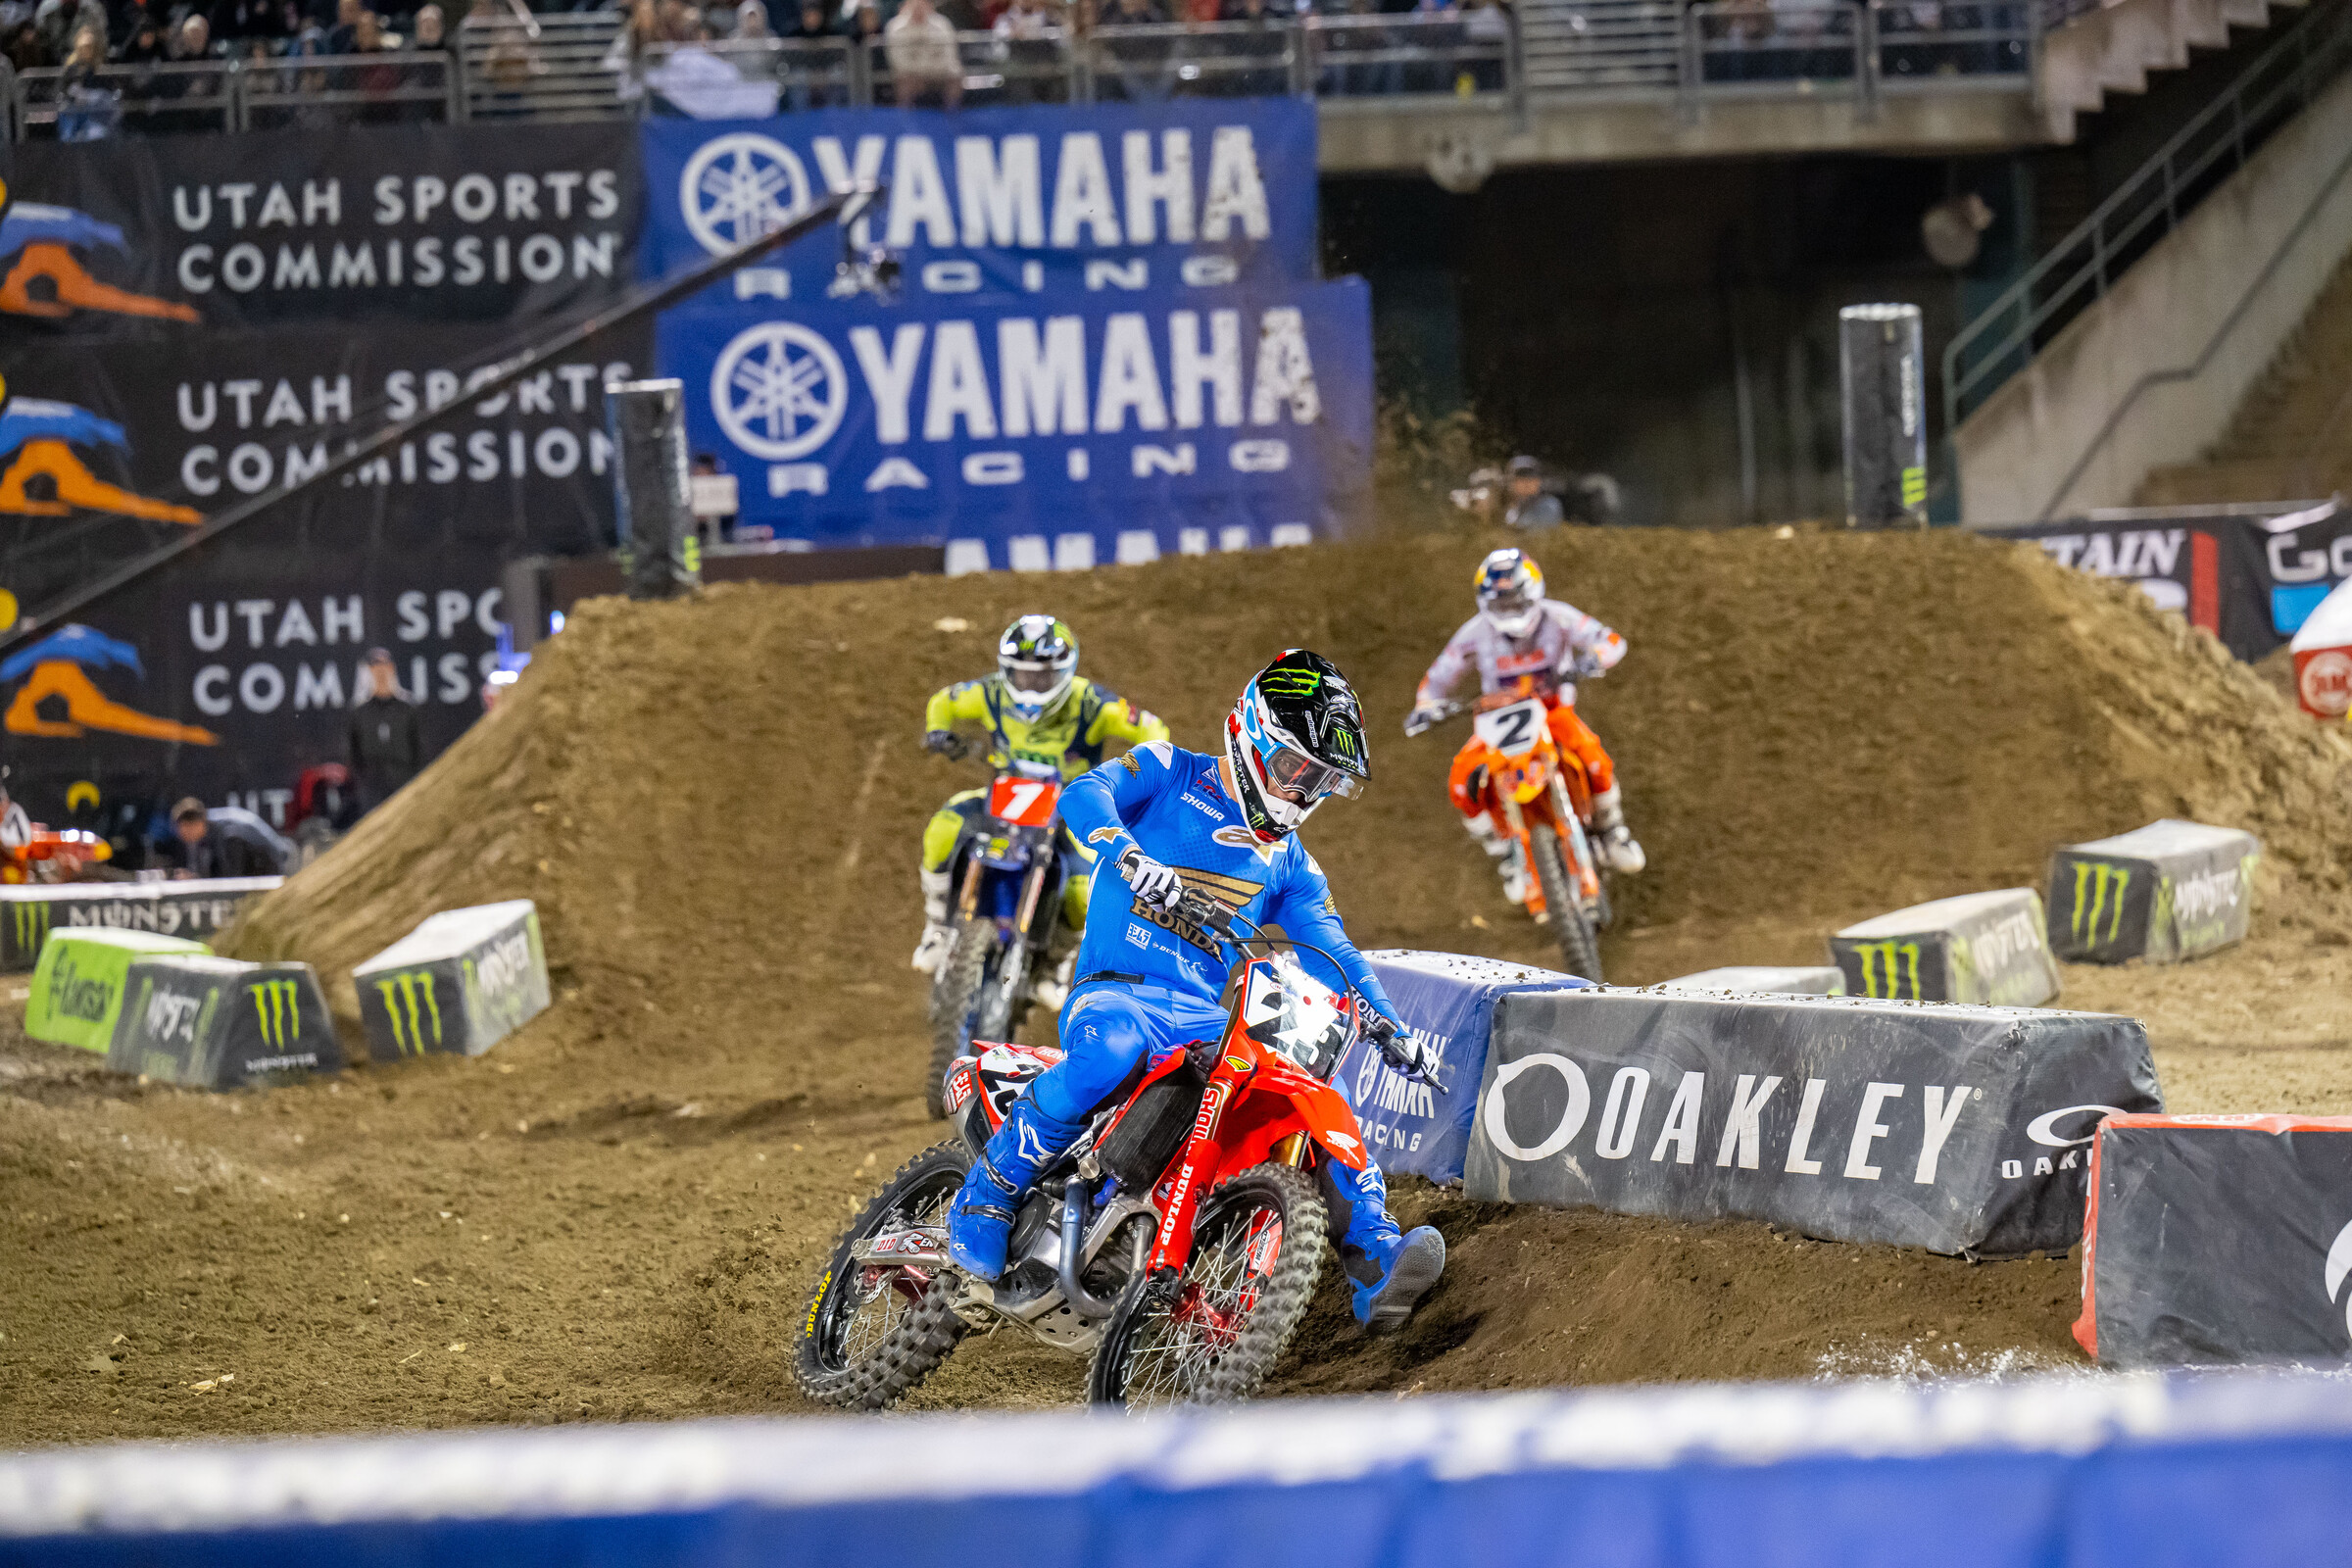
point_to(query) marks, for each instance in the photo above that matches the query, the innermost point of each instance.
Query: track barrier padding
(196, 908)
(1979, 948)
(2166, 892)
(460, 983)
(1959, 1129)
(217, 1023)
(76, 992)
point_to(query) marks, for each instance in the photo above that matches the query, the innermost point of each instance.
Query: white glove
(1423, 716)
(1155, 884)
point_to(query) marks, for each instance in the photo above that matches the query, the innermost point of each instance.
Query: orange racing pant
(1467, 782)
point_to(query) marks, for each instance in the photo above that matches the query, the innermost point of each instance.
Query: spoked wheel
(1580, 949)
(872, 1332)
(1213, 1336)
(956, 994)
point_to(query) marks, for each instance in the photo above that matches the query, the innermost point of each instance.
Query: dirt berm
(715, 804)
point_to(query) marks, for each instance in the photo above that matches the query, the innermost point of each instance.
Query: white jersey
(1550, 648)
(16, 828)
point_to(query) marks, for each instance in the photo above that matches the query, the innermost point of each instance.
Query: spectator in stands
(814, 76)
(865, 23)
(346, 30)
(86, 107)
(387, 745)
(144, 46)
(751, 21)
(1530, 509)
(1142, 62)
(1026, 31)
(924, 64)
(428, 32)
(224, 841)
(193, 41)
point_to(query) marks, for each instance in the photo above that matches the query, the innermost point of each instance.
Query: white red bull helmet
(1510, 592)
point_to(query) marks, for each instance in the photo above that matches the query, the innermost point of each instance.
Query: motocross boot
(980, 1223)
(1510, 860)
(1615, 840)
(939, 937)
(1383, 1305)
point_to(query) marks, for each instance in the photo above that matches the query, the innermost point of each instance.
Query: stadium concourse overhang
(1459, 145)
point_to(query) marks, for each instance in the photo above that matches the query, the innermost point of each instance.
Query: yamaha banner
(1447, 1001)
(1200, 194)
(1063, 434)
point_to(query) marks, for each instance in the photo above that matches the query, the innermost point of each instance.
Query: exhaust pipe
(1073, 1243)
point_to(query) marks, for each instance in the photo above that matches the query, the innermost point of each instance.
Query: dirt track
(616, 1213)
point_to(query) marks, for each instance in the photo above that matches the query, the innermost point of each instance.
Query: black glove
(947, 743)
(1400, 1048)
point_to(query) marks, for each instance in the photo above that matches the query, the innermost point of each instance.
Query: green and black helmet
(1039, 659)
(1294, 740)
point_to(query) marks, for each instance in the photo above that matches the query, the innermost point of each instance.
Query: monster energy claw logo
(2096, 877)
(32, 926)
(1291, 682)
(1889, 955)
(402, 993)
(278, 1006)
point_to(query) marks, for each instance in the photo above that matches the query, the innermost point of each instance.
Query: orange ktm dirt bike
(1007, 872)
(57, 855)
(1544, 802)
(1178, 1240)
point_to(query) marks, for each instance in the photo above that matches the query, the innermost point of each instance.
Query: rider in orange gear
(1519, 634)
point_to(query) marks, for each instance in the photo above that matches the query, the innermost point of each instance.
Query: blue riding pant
(1108, 1027)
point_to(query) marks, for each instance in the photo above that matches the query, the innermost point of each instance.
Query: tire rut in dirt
(1580, 949)
(953, 995)
(1223, 1238)
(844, 1359)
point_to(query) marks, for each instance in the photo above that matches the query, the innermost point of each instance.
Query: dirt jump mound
(715, 806)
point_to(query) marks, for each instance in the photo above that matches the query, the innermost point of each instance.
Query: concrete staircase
(2112, 48)
(2291, 436)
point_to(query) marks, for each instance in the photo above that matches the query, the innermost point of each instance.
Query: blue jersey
(1169, 804)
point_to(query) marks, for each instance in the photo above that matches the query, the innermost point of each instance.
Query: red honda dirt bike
(1545, 803)
(1009, 875)
(1178, 1240)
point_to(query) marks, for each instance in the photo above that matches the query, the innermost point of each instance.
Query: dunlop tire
(1282, 1305)
(918, 1342)
(1580, 949)
(954, 994)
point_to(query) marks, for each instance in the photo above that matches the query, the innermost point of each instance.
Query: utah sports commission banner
(189, 321)
(1108, 342)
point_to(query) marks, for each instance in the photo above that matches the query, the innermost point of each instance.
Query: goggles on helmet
(1295, 774)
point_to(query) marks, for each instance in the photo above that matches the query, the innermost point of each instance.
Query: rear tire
(1580, 949)
(955, 995)
(865, 1354)
(1161, 1348)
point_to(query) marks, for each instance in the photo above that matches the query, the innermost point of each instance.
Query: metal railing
(2078, 271)
(580, 66)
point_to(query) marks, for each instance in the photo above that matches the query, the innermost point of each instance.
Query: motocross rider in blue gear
(1150, 978)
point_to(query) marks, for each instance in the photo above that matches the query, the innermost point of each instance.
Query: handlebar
(1214, 913)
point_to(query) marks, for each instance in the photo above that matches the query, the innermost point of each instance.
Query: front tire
(1580, 949)
(864, 1352)
(956, 997)
(1257, 1247)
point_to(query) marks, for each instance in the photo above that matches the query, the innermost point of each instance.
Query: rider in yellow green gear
(1037, 711)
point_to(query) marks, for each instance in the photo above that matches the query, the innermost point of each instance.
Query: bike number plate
(1023, 802)
(1513, 730)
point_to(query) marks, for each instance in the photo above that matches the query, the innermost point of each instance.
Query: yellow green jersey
(1074, 735)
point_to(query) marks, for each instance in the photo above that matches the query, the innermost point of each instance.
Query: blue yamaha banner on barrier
(2245, 1471)
(1109, 198)
(1033, 433)
(1447, 1001)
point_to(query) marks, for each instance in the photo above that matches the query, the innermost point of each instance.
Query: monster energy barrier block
(1824, 981)
(2166, 892)
(2219, 1239)
(1979, 948)
(217, 1023)
(78, 986)
(460, 983)
(1959, 1129)
(1882, 374)
(195, 908)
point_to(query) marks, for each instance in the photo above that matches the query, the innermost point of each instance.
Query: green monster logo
(278, 1006)
(401, 992)
(2097, 878)
(1889, 955)
(1343, 742)
(1291, 682)
(32, 925)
